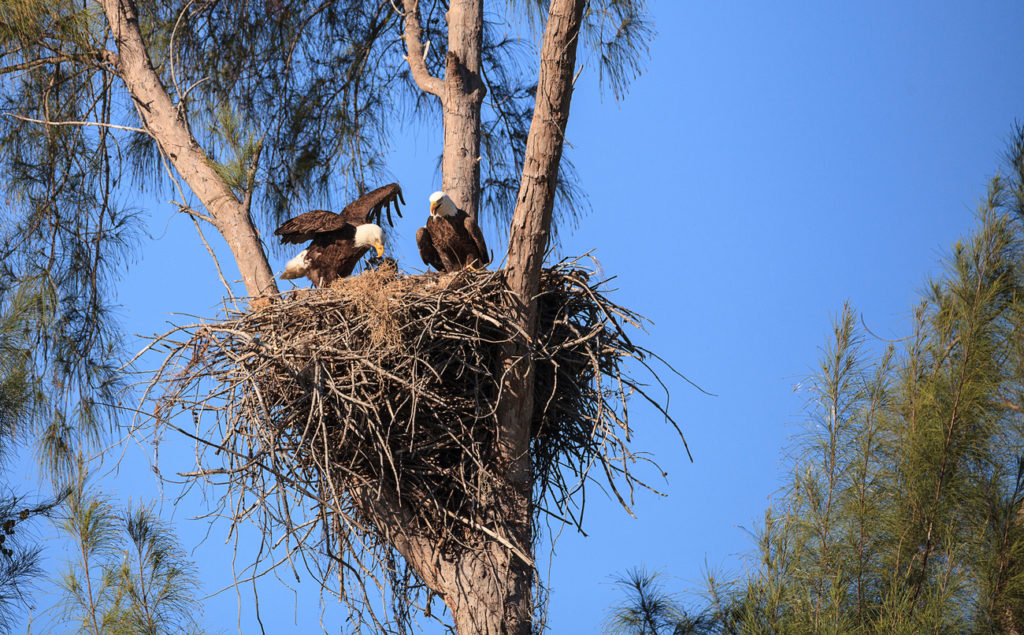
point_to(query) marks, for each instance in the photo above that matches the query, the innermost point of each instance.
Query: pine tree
(903, 506)
(128, 574)
(249, 111)
(649, 609)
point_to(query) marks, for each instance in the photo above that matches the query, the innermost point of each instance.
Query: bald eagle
(339, 240)
(451, 240)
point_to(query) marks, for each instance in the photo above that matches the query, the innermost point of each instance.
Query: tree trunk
(481, 581)
(528, 240)
(167, 125)
(463, 95)
(487, 585)
(487, 603)
(531, 222)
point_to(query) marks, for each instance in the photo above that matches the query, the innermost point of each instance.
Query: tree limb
(99, 58)
(531, 222)
(71, 123)
(164, 122)
(417, 55)
(462, 104)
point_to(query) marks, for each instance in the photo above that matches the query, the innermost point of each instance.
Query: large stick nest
(384, 387)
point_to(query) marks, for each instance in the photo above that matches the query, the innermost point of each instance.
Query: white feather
(296, 267)
(447, 206)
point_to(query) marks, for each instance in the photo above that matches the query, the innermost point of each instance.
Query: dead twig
(327, 414)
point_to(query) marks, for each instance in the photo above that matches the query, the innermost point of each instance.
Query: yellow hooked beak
(379, 247)
(434, 205)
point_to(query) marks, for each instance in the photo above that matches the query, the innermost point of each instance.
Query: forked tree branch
(163, 121)
(417, 55)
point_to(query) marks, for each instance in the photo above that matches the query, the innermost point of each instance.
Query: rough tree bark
(475, 583)
(528, 241)
(488, 586)
(167, 125)
(461, 93)
(464, 92)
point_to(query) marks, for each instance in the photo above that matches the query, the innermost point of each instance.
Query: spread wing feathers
(369, 207)
(427, 250)
(306, 226)
(478, 237)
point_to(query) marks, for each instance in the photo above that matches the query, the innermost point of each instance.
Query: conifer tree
(127, 573)
(903, 506)
(247, 112)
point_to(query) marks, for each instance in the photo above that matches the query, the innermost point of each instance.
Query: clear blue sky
(775, 160)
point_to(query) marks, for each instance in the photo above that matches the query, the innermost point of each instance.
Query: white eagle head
(442, 205)
(370, 235)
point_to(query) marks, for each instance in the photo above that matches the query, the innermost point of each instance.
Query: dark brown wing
(334, 261)
(427, 250)
(368, 208)
(450, 247)
(478, 238)
(333, 255)
(306, 226)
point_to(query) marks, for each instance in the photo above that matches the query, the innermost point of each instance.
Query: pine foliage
(903, 507)
(21, 406)
(649, 609)
(324, 88)
(128, 574)
(64, 233)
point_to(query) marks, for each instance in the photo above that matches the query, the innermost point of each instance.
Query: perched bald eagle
(451, 240)
(339, 240)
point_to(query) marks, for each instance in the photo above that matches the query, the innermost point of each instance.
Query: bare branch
(216, 263)
(165, 123)
(72, 123)
(417, 52)
(93, 59)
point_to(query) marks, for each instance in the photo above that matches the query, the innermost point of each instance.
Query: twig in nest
(374, 400)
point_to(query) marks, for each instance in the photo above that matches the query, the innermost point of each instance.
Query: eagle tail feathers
(296, 267)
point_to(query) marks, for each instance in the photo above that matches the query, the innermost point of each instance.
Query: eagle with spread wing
(451, 239)
(339, 240)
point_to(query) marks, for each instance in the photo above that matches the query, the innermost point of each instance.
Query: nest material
(386, 384)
